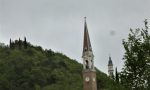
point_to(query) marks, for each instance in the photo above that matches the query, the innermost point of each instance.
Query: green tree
(136, 71)
(116, 76)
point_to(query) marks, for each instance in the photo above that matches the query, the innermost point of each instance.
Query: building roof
(110, 61)
(86, 42)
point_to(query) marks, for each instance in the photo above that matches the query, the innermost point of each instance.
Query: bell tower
(110, 68)
(89, 73)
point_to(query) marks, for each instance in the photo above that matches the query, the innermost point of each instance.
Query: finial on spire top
(84, 18)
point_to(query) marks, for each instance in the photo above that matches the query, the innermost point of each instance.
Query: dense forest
(24, 66)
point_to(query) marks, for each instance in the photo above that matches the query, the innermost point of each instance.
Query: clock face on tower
(87, 79)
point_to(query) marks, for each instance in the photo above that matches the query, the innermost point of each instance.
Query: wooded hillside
(33, 68)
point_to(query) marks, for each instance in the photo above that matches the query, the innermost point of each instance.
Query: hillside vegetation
(33, 68)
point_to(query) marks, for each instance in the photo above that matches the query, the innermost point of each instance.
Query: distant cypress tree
(25, 43)
(19, 44)
(16, 44)
(117, 76)
(10, 43)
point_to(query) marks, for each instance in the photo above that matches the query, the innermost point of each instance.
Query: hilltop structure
(110, 68)
(89, 73)
(18, 44)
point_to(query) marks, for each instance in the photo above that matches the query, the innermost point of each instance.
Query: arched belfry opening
(87, 64)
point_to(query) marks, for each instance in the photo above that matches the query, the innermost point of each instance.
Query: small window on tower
(87, 64)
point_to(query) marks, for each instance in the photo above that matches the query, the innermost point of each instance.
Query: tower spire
(110, 68)
(89, 73)
(110, 61)
(86, 43)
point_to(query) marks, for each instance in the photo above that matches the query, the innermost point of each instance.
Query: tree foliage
(33, 68)
(136, 71)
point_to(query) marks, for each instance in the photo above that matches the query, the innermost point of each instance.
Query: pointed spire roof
(110, 61)
(86, 43)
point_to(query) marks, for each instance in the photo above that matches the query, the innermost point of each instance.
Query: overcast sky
(58, 25)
